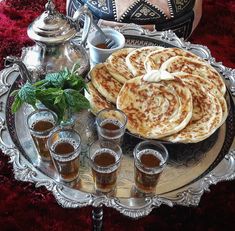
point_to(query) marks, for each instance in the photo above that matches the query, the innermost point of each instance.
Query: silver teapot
(55, 46)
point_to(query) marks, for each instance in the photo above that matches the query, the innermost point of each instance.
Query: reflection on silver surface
(209, 162)
(55, 47)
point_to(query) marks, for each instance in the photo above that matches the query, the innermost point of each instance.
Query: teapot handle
(84, 11)
(24, 73)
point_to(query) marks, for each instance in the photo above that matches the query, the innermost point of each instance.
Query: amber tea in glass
(40, 123)
(150, 158)
(111, 125)
(104, 163)
(65, 147)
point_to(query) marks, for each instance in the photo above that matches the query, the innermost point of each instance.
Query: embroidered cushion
(181, 16)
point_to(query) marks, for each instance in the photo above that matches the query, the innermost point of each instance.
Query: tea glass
(40, 123)
(104, 161)
(111, 125)
(150, 159)
(65, 147)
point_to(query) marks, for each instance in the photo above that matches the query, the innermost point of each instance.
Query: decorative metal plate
(191, 170)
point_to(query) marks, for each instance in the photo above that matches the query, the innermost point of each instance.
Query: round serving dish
(191, 170)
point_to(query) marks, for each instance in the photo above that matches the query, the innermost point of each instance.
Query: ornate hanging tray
(191, 170)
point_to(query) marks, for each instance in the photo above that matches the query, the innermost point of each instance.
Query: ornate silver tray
(191, 170)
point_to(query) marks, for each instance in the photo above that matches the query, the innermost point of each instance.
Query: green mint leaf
(16, 104)
(59, 99)
(41, 83)
(48, 93)
(60, 92)
(53, 98)
(48, 96)
(57, 79)
(74, 82)
(60, 103)
(66, 71)
(27, 94)
(76, 100)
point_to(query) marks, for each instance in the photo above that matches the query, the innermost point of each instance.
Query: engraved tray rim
(188, 195)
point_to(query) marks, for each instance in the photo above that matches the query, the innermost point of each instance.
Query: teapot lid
(51, 27)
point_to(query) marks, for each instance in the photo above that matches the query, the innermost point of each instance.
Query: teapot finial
(50, 7)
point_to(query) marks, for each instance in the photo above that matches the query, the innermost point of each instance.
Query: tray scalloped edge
(70, 198)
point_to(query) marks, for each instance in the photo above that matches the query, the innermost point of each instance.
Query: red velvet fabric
(24, 207)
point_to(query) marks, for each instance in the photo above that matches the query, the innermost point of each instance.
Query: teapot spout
(24, 73)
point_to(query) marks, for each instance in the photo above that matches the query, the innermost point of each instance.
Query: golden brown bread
(155, 110)
(104, 82)
(97, 101)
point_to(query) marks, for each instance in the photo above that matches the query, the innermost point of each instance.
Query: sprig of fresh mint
(59, 92)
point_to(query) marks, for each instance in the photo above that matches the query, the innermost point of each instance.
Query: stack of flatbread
(167, 93)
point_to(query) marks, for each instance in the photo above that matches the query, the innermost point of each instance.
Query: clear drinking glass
(111, 125)
(104, 161)
(40, 123)
(150, 158)
(65, 147)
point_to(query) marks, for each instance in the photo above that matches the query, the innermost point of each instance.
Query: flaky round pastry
(206, 118)
(116, 65)
(97, 101)
(196, 67)
(135, 59)
(155, 109)
(104, 82)
(208, 86)
(155, 59)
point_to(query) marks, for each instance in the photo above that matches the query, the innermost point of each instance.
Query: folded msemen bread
(196, 67)
(117, 67)
(104, 82)
(178, 97)
(155, 59)
(97, 101)
(155, 109)
(207, 113)
(135, 59)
